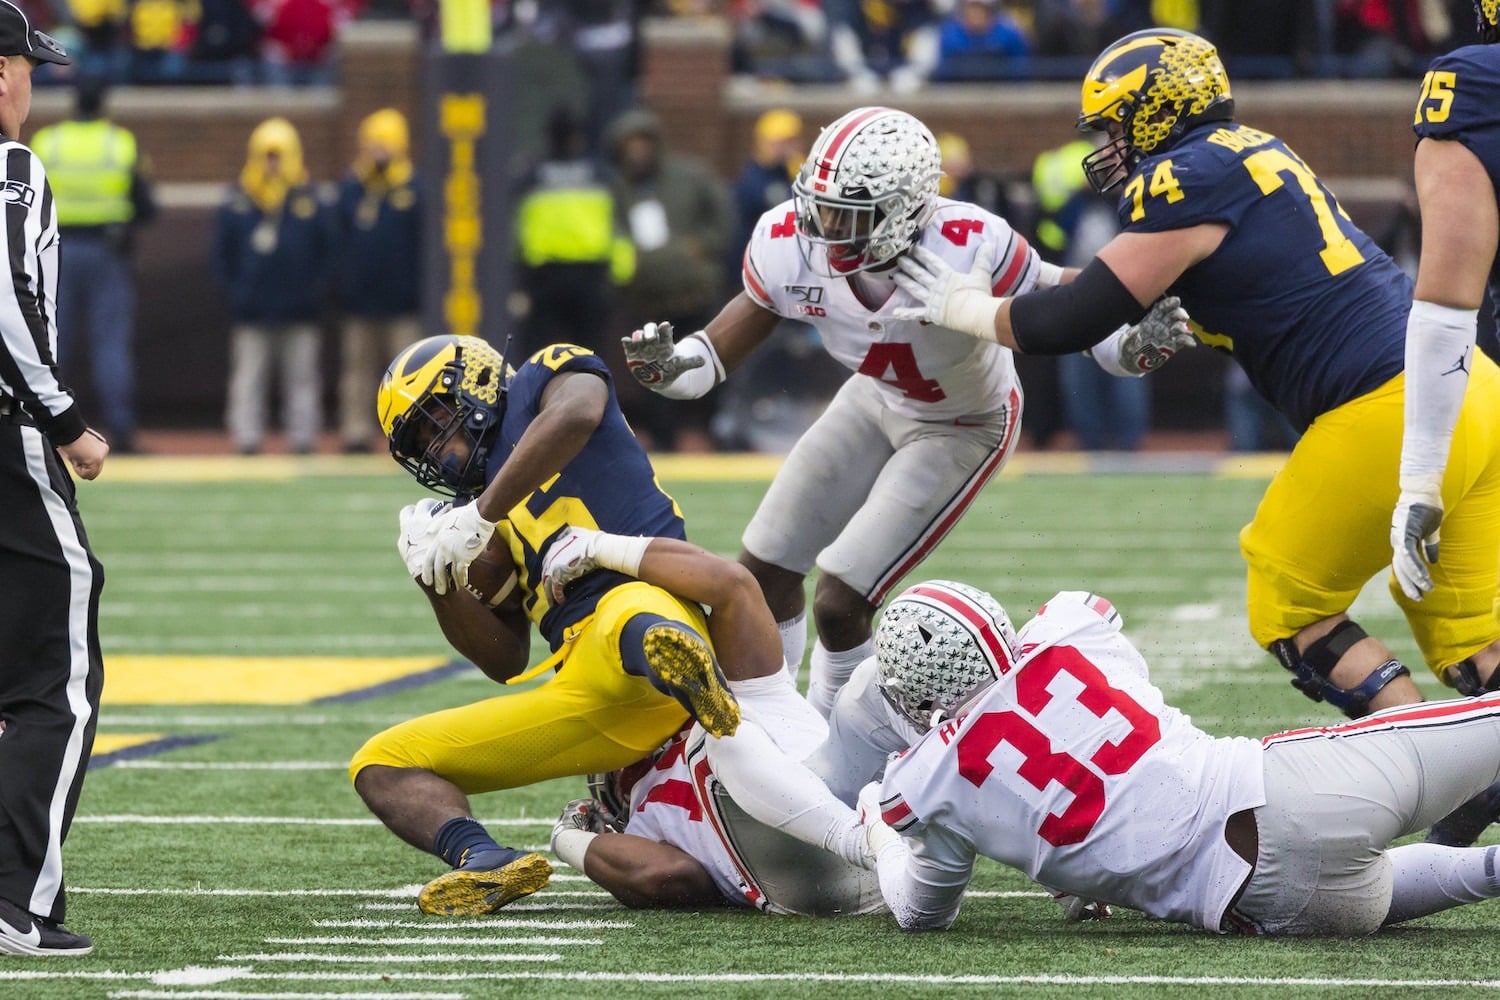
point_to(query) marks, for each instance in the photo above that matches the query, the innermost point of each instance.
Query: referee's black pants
(51, 669)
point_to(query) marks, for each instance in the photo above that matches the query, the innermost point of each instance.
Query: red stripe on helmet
(835, 148)
(975, 615)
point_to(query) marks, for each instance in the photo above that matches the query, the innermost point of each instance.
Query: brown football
(492, 574)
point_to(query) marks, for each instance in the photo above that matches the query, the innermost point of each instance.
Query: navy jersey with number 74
(1305, 301)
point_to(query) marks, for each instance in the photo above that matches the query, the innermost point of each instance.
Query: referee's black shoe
(21, 933)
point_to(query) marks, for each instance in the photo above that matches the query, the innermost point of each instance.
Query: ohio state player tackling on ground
(762, 817)
(929, 416)
(1072, 768)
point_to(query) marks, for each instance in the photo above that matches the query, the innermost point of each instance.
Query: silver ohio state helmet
(865, 190)
(939, 644)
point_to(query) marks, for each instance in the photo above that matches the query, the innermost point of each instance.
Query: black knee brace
(1312, 667)
(1465, 678)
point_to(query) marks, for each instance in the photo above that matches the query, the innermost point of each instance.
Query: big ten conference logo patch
(807, 298)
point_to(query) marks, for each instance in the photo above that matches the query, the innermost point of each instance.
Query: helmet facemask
(939, 645)
(444, 435)
(1115, 159)
(865, 191)
(1146, 91)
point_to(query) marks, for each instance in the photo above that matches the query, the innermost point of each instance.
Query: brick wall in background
(1356, 136)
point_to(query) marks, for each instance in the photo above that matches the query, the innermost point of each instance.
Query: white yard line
(232, 765)
(442, 939)
(1042, 979)
(138, 819)
(486, 923)
(454, 958)
(198, 975)
(114, 716)
(241, 995)
(26, 975)
(402, 892)
(598, 894)
(399, 892)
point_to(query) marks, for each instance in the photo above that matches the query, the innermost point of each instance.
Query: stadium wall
(1356, 135)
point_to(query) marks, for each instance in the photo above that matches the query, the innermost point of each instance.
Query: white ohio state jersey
(1073, 769)
(681, 802)
(925, 372)
(664, 806)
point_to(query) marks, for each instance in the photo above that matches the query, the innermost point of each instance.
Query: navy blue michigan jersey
(609, 485)
(1461, 101)
(1308, 304)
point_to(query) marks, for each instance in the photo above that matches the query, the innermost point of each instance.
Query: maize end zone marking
(252, 680)
(106, 744)
(236, 680)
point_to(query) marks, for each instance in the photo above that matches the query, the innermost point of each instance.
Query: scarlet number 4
(958, 230)
(896, 365)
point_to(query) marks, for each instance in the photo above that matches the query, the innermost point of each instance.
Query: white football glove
(1414, 540)
(588, 815)
(960, 302)
(653, 358)
(459, 535)
(417, 532)
(569, 557)
(1152, 342)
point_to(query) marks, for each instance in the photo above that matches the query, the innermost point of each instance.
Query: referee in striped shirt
(51, 670)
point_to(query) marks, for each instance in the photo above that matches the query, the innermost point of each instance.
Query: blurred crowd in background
(905, 44)
(911, 43)
(613, 228)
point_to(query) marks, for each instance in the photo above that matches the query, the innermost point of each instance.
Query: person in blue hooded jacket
(273, 245)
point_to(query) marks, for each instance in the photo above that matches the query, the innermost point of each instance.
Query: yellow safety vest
(572, 226)
(89, 165)
(1056, 176)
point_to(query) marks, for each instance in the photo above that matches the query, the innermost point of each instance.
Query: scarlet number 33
(1042, 764)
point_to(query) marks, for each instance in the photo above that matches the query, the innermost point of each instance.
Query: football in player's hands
(492, 574)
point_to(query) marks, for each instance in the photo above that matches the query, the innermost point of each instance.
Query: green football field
(258, 627)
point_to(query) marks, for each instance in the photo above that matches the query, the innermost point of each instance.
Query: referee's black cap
(19, 38)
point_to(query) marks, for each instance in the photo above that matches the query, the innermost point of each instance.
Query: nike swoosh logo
(33, 936)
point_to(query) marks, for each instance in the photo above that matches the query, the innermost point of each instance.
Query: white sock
(1430, 878)
(830, 670)
(774, 704)
(782, 793)
(793, 644)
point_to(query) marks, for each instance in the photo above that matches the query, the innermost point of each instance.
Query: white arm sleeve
(697, 381)
(1048, 275)
(1439, 349)
(862, 733)
(924, 895)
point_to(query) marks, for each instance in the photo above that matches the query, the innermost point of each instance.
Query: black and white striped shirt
(28, 322)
